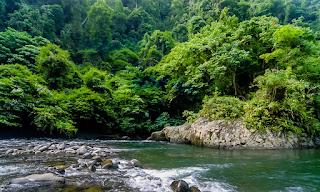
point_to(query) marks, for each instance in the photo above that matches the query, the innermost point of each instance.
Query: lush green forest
(135, 66)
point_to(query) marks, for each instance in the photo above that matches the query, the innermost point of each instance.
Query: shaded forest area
(135, 66)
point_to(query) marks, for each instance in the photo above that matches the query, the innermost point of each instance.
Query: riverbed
(207, 169)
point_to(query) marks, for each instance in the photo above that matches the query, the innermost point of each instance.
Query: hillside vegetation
(135, 66)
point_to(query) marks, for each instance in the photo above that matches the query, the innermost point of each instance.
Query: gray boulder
(87, 156)
(41, 149)
(82, 150)
(62, 146)
(39, 178)
(135, 163)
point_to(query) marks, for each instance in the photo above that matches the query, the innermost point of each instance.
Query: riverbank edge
(223, 134)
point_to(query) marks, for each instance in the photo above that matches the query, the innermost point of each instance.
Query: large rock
(107, 164)
(179, 134)
(232, 135)
(82, 150)
(135, 163)
(158, 136)
(180, 186)
(39, 178)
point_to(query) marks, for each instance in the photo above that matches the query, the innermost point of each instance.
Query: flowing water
(208, 169)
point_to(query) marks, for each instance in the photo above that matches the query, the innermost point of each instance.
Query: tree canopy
(131, 67)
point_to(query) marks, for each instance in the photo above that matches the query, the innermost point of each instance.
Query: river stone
(87, 156)
(180, 186)
(9, 151)
(103, 154)
(93, 162)
(41, 149)
(76, 147)
(92, 168)
(82, 150)
(135, 163)
(60, 169)
(96, 158)
(37, 147)
(70, 150)
(52, 147)
(62, 146)
(107, 164)
(194, 189)
(37, 152)
(39, 178)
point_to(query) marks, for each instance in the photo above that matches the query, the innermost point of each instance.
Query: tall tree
(98, 25)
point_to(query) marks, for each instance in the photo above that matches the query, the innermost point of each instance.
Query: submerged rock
(231, 135)
(39, 178)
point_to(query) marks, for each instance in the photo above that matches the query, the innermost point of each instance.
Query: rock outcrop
(230, 135)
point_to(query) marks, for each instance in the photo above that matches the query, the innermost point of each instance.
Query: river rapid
(209, 170)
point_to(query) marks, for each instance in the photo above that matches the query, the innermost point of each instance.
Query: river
(208, 169)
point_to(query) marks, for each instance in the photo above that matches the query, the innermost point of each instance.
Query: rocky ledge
(223, 134)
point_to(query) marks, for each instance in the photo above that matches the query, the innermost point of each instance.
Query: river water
(208, 169)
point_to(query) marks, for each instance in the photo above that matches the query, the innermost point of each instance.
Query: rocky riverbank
(231, 135)
(62, 165)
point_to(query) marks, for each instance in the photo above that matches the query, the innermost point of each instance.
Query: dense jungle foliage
(135, 66)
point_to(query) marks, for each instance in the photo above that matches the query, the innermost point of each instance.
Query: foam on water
(147, 180)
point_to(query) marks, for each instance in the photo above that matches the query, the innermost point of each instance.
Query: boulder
(158, 136)
(92, 162)
(82, 150)
(44, 148)
(62, 146)
(53, 147)
(135, 163)
(87, 156)
(60, 169)
(179, 134)
(194, 189)
(96, 158)
(180, 186)
(107, 164)
(92, 168)
(39, 178)
(9, 151)
(223, 134)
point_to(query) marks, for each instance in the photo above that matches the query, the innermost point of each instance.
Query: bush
(282, 103)
(221, 107)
